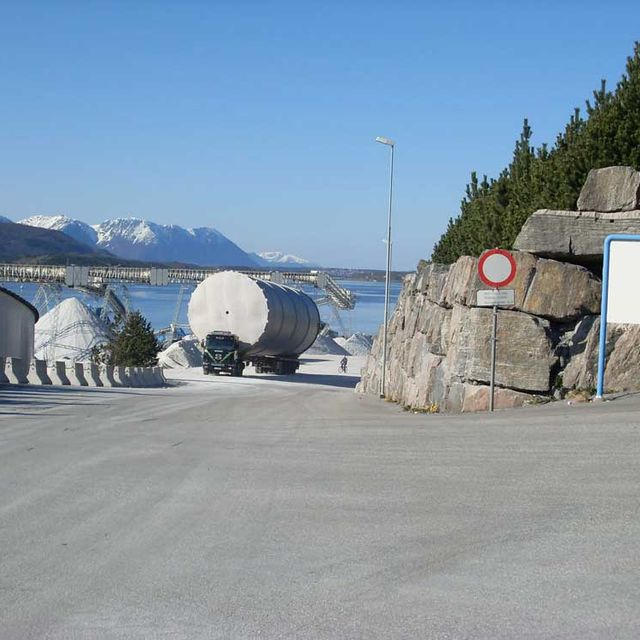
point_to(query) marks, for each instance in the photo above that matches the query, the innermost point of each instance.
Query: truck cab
(221, 353)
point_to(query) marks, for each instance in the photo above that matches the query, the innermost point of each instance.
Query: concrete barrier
(120, 376)
(75, 372)
(38, 373)
(3, 376)
(92, 374)
(158, 374)
(133, 376)
(107, 376)
(143, 377)
(149, 377)
(58, 373)
(17, 370)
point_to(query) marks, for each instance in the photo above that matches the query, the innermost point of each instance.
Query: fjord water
(159, 305)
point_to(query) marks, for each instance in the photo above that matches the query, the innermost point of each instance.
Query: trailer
(241, 320)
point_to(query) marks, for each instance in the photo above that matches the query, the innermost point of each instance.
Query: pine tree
(135, 345)
(494, 210)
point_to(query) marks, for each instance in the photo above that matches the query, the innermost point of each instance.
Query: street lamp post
(383, 388)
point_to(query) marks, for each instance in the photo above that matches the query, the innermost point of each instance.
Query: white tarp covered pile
(359, 344)
(68, 332)
(184, 353)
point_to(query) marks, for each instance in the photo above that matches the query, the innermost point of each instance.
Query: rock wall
(439, 341)
(439, 350)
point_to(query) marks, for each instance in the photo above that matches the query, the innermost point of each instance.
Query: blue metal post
(605, 302)
(603, 317)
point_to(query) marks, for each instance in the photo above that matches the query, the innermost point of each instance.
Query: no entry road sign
(496, 268)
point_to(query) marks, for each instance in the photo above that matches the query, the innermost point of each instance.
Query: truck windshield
(221, 342)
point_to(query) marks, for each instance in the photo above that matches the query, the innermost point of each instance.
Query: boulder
(622, 370)
(573, 236)
(580, 350)
(524, 353)
(431, 279)
(476, 398)
(560, 291)
(610, 189)
(622, 358)
(462, 283)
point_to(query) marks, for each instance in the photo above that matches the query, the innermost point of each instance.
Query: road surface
(262, 508)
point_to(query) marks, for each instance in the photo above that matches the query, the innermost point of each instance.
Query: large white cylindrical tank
(269, 319)
(17, 322)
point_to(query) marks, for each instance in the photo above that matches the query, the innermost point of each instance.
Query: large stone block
(561, 291)
(423, 388)
(622, 356)
(573, 236)
(610, 189)
(431, 279)
(524, 353)
(622, 371)
(462, 283)
(580, 349)
(433, 321)
(476, 398)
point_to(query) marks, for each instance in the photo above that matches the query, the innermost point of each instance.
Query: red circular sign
(496, 268)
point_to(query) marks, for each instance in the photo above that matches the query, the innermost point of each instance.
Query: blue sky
(259, 118)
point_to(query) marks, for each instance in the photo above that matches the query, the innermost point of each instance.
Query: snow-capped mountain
(80, 231)
(4, 220)
(137, 239)
(280, 258)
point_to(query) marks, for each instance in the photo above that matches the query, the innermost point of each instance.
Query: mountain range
(21, 243)
(146, 241)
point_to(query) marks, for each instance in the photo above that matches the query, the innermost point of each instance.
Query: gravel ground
(293, 508)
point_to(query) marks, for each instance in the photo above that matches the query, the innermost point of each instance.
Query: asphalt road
(261, 509)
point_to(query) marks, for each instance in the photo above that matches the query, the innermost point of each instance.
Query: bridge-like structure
(103, 276)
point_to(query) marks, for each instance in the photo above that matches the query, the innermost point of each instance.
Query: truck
(242, 320)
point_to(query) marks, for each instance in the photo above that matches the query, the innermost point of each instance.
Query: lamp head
(386, 141)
